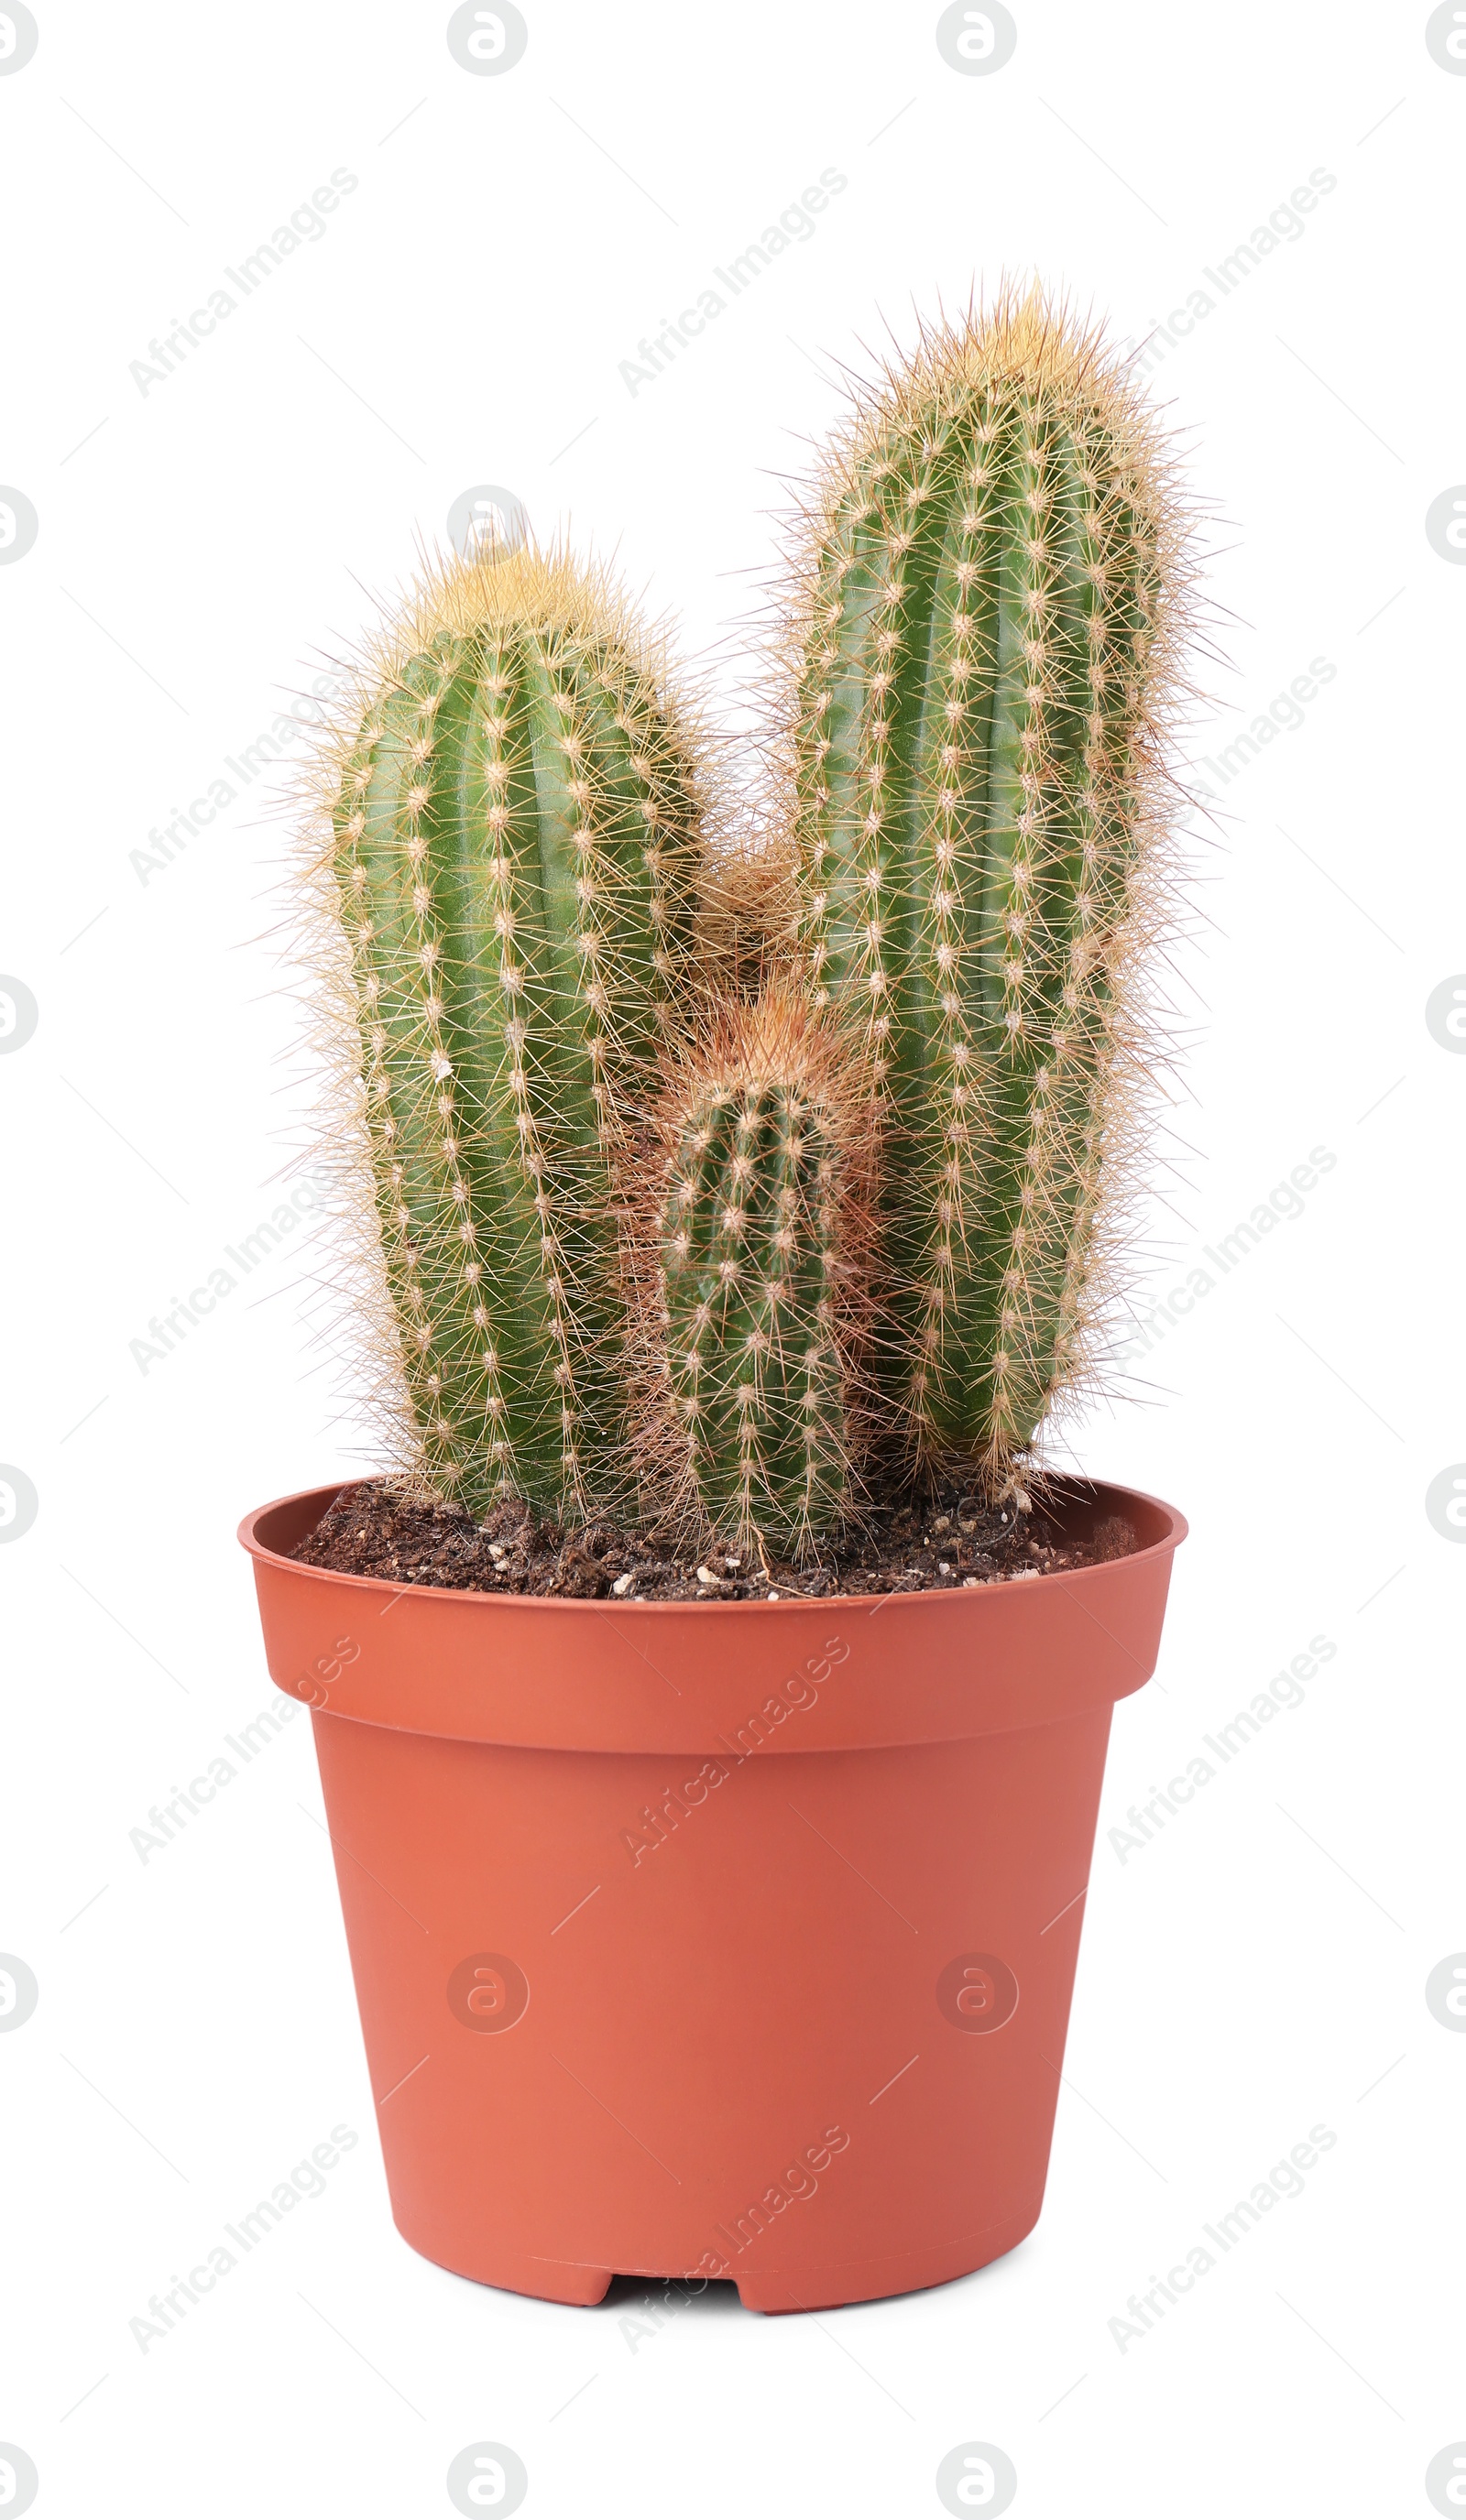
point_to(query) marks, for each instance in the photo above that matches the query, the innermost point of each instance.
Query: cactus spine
(976, 717)
(756, 1281)
(516, 849)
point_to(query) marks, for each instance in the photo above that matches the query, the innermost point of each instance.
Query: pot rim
(1169, 1538)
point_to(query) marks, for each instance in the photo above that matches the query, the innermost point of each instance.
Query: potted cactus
(717, 1917)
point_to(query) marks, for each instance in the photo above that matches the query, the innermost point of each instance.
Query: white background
(1259, 1966)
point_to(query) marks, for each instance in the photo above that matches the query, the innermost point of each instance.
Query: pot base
(814, 2289)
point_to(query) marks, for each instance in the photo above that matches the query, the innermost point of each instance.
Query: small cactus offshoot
(713, 1178)
(756, 1278)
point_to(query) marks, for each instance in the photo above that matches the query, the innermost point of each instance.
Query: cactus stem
(508, 828)
(751, 1279)
(980, 672)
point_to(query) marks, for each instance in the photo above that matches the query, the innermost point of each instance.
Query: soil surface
(937, 1544)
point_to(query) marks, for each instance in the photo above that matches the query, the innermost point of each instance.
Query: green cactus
(725, 1172)
(987, 581)
(753, 1269)
(516, 847)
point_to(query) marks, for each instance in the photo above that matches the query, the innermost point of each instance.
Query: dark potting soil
(938, 1544)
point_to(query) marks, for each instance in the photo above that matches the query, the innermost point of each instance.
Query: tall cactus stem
(982, 674)
(516, 852)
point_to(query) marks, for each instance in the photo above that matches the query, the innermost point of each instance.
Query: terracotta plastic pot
(703, 1939)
